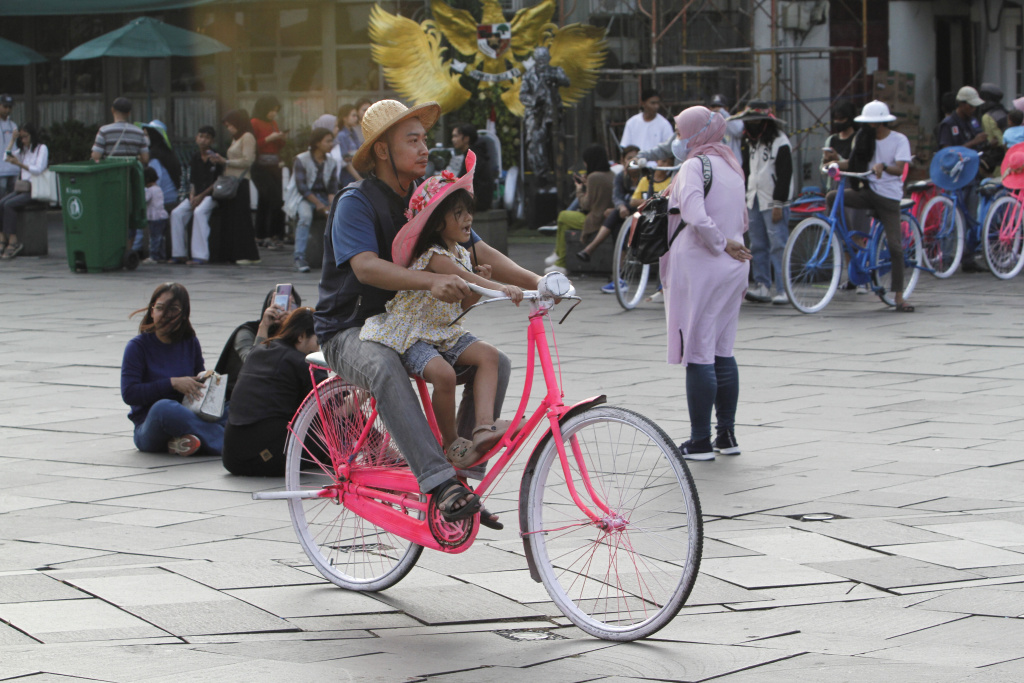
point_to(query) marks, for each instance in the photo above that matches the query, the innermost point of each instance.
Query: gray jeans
(379, 370)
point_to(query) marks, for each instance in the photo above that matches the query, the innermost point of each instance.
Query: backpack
(649, 240)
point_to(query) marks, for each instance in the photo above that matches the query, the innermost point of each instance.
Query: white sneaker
(555, 269)
(758, 294)
(656, 298)
(863, 289)
(547, 229)
(550, 260)
(780, 299)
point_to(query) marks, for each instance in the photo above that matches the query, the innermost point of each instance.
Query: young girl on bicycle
(418, 326)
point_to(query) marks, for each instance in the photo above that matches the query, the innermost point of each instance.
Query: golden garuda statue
(449, 58)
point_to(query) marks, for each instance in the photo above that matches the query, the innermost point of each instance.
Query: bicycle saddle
(990, 189)
(906, 203)
(317, 358)
(920, 186)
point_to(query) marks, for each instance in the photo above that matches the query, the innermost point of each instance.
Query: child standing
(417, 325)
(156, 214)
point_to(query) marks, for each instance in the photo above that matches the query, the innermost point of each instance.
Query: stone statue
(543, 111)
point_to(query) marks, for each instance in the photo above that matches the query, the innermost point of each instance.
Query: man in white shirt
(648, 128)
(885, 190)
(8, 135)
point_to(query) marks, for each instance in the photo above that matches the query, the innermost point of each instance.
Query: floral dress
(415, 315)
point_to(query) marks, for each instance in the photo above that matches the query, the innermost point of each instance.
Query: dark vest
(344, 301)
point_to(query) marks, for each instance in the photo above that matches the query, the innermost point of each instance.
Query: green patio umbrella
(148, 37)
(12, 54)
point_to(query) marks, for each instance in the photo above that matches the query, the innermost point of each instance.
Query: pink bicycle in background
(608, 511)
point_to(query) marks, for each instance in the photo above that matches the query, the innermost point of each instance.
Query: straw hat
(380, 117)
(424, 200)
(758, 110)
(1013, 167)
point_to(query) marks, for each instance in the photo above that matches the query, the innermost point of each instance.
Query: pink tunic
(703, 285)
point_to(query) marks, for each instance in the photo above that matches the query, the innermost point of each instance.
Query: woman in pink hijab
(704, 276)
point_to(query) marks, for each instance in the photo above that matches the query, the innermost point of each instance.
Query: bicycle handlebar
(832, 170)
(642, 164)
(551, 286)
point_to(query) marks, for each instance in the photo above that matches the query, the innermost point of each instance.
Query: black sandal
(904, 308)
(448, 494)
(490, 520)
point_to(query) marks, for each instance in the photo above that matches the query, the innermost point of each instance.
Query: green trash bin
(103, 204)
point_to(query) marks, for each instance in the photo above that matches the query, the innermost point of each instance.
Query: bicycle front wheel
(811, 263)
(347, 549)
(1004, 241)
(627, 575)
(942, 233)
(629, 275)
(913, 260)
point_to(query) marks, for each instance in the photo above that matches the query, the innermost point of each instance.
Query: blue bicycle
(813, 258)
(949, 229)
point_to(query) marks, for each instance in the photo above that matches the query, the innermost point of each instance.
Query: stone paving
(909, 429)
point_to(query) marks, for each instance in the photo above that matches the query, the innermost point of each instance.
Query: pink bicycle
(608, 511)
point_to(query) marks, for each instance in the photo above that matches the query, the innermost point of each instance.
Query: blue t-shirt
(352, 230)
(164, 180)
(1014, 135)
(147, 369)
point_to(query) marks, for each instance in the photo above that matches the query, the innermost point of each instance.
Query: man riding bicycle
(359, 278)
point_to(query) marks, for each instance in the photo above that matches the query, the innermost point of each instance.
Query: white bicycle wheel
(627, 575)
(810, 265)
(913, 260)
(1003, 239)
(942, 234)
(348, 550)
(629, 275)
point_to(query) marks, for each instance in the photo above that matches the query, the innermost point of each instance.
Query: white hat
(970, 96)
(875, 112)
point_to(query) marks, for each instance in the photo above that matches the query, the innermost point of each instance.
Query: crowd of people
(401, 249)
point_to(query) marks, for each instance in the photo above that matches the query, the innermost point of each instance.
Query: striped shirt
(121, 139)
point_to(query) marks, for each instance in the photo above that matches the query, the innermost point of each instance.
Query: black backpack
(650, 240)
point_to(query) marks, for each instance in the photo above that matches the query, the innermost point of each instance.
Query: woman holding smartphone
(32, 157)
(273, 383)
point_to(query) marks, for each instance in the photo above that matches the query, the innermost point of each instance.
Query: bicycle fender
(531, 467)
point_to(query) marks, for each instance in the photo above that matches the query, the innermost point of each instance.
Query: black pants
(270, 207)
(256, 450)
(888, 212)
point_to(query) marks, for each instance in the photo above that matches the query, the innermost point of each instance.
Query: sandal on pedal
(490, 520)
(485, 436)
(448, 495)
(460, 453)
(904, 308)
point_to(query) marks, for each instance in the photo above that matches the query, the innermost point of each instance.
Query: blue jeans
(708, 386)
(306, 210)
(767, 242)
(157, 230)
(168, 419)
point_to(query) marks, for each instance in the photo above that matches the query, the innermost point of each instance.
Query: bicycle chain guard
(448, 534)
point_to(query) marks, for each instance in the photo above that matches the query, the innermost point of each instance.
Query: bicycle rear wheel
(347, 549)
(942, 234)
(811, 263)
(629, 275)
(913, 260)
(1003, 239)
(627, 576)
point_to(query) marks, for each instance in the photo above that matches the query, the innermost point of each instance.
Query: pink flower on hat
(426, 192)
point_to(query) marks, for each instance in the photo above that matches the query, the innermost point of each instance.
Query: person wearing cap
(885, 153)
(359, 277)
(733, 128)
(648, 128)
(121, 138)
(840, 140)
(8, 141)
(768, 165)
(962, 128)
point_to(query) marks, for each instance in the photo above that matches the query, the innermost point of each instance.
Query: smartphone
(283, 297)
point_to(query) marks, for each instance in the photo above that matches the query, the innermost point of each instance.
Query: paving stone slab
(876, 532)
(442, 604)
(892, 572)
(801, 547)
(247, 574)
(35, 587)
(998, 533)
(991, 602)
(310, 601)
(956, 554)
(61, 621)
(766, 572)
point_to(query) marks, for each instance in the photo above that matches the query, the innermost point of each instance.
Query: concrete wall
(912, 50)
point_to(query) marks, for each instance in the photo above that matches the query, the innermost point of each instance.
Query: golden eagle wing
(457, 25)
(580, 50)
(413, 60)
(527, 25)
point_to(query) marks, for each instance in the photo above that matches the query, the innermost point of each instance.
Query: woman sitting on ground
(274, 381)
(248, 335)
(160, 368)
(595, 196)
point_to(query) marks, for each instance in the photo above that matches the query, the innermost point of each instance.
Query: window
(278, 48)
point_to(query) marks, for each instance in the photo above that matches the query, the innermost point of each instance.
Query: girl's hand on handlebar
(190, 387)
(483, 270)
(737, 250)
(512, 292)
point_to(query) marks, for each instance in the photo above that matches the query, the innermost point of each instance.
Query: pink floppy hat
(425, 199)
(1013, 167)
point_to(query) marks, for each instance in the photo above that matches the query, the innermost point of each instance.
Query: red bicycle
(608, 512)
